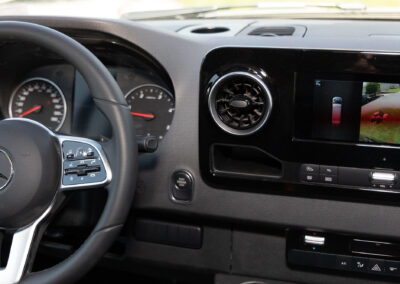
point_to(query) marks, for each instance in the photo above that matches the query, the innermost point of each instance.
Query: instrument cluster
(43, 99)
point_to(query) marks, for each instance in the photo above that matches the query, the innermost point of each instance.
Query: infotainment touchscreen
(356, 111)
(380, 113)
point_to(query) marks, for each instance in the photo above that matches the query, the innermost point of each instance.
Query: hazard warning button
(376, 266)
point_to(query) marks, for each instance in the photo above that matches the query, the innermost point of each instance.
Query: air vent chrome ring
(259, 87)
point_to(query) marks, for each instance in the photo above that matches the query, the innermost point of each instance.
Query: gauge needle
(142, 115)
(30, 111)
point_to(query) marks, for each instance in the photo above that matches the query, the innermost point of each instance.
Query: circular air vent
(240, 103)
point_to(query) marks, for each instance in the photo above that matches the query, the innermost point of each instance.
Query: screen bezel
(304, 103)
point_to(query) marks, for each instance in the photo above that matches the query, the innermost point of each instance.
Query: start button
(182, 186)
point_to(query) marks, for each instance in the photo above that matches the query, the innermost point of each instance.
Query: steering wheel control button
(75, 152)
(70, 156)
(82, 170)
(182, 186)
(87, 166)
(90, 154)
(6, 169)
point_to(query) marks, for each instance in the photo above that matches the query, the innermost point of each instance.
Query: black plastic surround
(283, 136)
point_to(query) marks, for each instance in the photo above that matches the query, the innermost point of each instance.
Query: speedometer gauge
(41, 100)
(152, 108)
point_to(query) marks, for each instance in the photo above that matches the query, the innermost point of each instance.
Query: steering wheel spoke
(21, 250)
(84, 164)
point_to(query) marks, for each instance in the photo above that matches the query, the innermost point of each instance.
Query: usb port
(314, 240)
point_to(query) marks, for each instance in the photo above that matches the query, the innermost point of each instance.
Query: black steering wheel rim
(121, 149)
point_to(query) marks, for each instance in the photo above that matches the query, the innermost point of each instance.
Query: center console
(344, 253)
(291, 121)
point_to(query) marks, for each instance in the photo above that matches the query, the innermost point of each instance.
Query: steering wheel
(37, 167)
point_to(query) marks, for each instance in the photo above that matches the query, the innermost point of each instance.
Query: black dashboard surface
(243, 230)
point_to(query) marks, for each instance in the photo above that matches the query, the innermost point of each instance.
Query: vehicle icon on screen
(336, 110)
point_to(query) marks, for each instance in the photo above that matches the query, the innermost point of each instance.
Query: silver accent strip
(373, 242)
(368, 145)
(47, 81)
(213, 111)
(306, 48)
(99, 149)
(314, 240)
(19, 252)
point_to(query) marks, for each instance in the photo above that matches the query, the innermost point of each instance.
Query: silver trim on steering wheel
(19, 253)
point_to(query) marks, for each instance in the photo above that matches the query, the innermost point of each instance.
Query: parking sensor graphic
(336, 110)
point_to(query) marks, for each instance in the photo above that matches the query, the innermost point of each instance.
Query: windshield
(182, 9)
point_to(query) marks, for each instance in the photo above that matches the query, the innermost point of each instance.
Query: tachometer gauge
(152, 108)
(41, 100)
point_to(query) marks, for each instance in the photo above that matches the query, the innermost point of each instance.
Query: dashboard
(278, 156)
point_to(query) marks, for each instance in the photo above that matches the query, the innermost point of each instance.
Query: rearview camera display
(356, 111)
(380, 113)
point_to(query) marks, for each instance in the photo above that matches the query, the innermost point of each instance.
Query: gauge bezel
(150, 85)
(169, 94)
(49, 82)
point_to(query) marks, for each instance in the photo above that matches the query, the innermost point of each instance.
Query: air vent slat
(240, 103)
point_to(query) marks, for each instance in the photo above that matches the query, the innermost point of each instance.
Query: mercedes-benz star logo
(6, 169)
